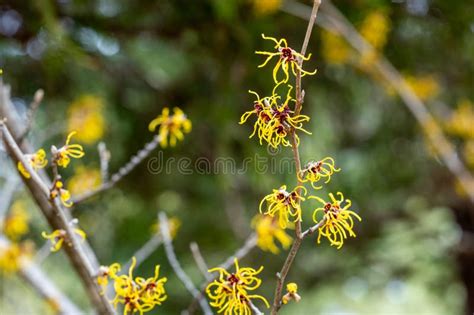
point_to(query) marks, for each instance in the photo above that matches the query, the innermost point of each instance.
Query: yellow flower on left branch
(58, 237)
(64, 194)
(63, 155)
(36, 160)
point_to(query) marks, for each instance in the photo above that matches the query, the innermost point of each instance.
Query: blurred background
(108, 67)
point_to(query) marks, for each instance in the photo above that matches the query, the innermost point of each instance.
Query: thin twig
(123, 171)
(200, 262)
(37, 98)
(104, 156)
(146, 250)
(32, 274)
(173, 260)
(58, 219)
(281, 276)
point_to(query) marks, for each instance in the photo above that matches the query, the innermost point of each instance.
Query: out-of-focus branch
(173, 260)
(123, 171)
(33, 275)
(200, 262)
(145, 251)
(333, 20)
(6, 196)
(104, 156)
(58, 219)
(37, 98)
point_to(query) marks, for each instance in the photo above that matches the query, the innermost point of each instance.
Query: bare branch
(37, 98)
(200, 262)
(104, 156)
(123, 171)
(173, 260)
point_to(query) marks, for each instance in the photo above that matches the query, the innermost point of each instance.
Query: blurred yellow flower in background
(84, 180)
(424, 86)
(263, 7)
(9, 257)
(85, 114)
(268, 230)
(36, 160)
(375, 29)
(335, 49)
(461, 122)
(16, 222)
(174, 224)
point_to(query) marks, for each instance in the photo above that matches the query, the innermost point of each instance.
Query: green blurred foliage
(140, 56)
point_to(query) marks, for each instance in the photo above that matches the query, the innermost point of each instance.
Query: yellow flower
(36, 161)
(84, 180)
(173, 126)
(461, 122)
(284, 204)
(425, 87)
(58, 237)
(63, 194)
(106, 272)
(315, 171)
(263, 7)
(16, 223)
(230, 292)
(334, 48)
(268, 231)
(139, 294)
(85, 114)
(288, 59)
(274, 120)
(375, 28)
(338, 219)
(63, 155)
(291, 293)
(9, 257)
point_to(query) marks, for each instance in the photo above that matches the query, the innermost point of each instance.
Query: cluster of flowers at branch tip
(274, 119)
(291, 293)
(288, 59)
(171, 126)
(59, 237)
(137, 295)
(230, 292)
(268, 231)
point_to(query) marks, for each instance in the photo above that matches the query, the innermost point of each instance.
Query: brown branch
(281, 276)
(81, 257)
(37, 98)
(200, 262)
